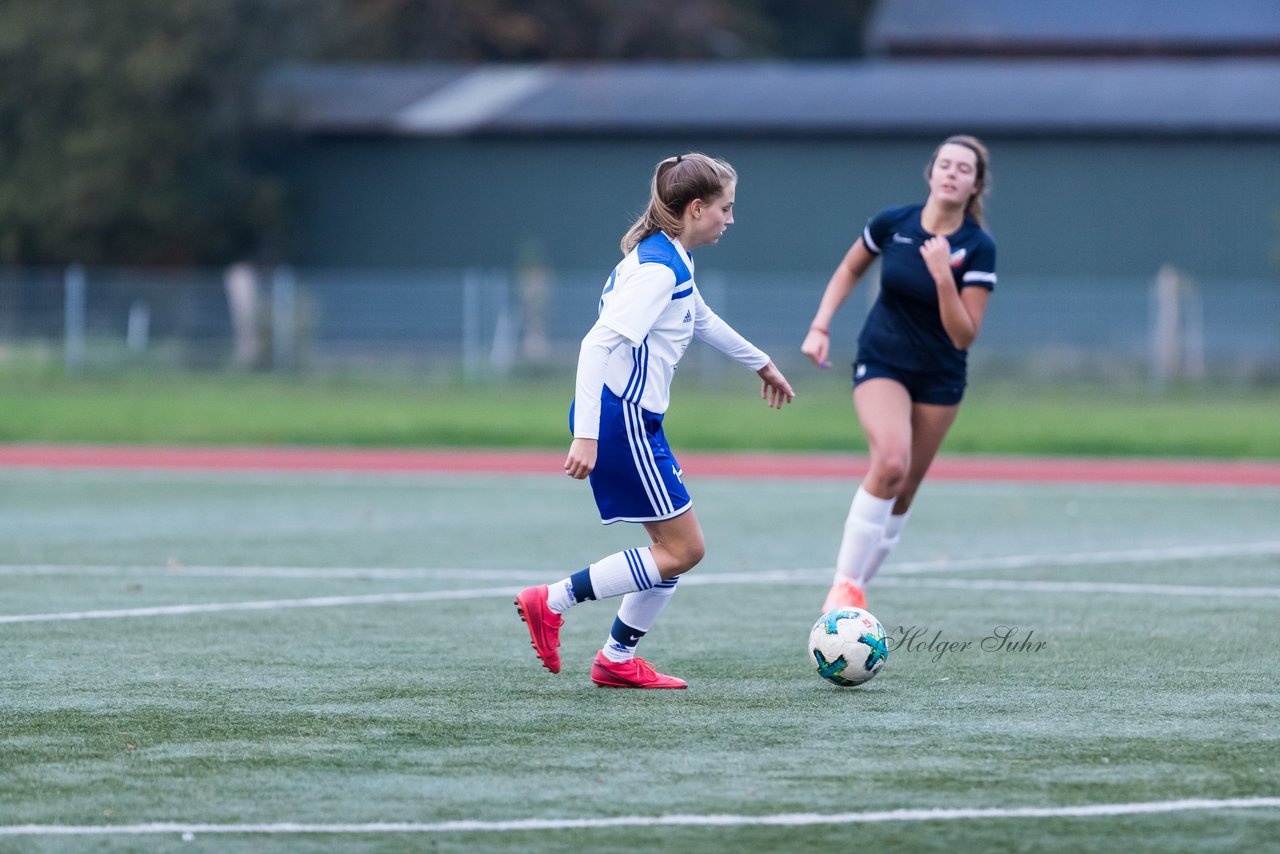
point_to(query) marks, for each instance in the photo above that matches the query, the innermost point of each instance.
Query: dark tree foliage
(124, 130)
(126, 126)
(567, 30)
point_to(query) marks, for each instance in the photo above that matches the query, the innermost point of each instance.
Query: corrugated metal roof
(1125, 97)
(357, 96)
(1080, 26)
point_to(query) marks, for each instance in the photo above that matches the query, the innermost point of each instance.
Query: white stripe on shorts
(646, 465)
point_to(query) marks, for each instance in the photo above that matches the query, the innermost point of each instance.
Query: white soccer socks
(623, 572)
(632, 574)
(892, 533)
(638, 613)
(863, 530)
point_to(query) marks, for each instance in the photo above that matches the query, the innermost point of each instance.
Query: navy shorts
(636, 478)
(923, 386)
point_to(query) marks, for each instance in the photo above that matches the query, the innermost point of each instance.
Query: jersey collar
(684, 253)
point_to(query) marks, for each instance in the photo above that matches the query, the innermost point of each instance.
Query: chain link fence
(485, 323)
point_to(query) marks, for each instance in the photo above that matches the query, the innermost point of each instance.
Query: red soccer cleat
(544, 625)
(844, 594)
(636, 673)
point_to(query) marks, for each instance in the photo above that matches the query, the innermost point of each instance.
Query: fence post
(1177, 328)
(1166, 343)
(75, 287)
(506, 330)
(240, 281)
(138, 329)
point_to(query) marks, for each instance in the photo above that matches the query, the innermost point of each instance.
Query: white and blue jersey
(650, 310)
(904, 328)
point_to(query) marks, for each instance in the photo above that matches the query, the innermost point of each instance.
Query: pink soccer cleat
(636, 673)
(844, 594)
(544, 625)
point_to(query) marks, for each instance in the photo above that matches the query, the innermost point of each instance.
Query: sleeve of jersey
(875, 232)
(981, 270)
(710, 328)
(593, 360)
(636, 301)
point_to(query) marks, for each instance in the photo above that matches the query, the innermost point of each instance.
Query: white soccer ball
(848, 646)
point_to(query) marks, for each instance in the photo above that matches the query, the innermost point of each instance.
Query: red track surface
(767, 465)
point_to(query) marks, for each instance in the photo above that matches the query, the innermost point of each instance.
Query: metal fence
(480, 323)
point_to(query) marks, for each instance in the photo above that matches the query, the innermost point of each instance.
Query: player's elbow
(962, 335)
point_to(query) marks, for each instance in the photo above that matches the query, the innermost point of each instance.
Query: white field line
(758, 577)
(301, 572)
(777, 820)
(1078, 587)
(1147, 555)
(721, 578)
(262, 605)
(782, 576)
(1121, 556)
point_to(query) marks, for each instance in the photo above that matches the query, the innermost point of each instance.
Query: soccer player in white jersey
(937, 272)
(650, 309)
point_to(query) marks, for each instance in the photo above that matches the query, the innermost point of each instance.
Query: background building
(443, 211)
(1122, 145)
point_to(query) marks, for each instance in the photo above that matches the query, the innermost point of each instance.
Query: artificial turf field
(295, 662)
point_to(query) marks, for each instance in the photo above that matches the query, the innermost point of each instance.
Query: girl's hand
(817, 346)
(776, 391)
(581, 459)
(936, 252)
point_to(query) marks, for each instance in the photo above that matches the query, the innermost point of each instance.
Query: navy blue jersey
(904, 328)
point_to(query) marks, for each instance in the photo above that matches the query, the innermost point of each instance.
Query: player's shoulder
(657, 248)
(900, 218)
(898, 214)
(977, 234)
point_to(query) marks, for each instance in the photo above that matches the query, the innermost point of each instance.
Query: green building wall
(1059, 208)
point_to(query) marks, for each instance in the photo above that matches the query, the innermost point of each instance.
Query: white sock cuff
(624, 572)
(888, 541)
(869, 509)
(640, 610)
(893, 525)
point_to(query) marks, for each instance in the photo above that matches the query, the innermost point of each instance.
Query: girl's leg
(677, 547)
(886, 414)
(884, 410)
(929, 426)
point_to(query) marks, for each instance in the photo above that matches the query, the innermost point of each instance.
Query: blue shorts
(636, 478)
(924, 386)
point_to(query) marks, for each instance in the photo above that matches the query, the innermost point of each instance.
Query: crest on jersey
(957, 257)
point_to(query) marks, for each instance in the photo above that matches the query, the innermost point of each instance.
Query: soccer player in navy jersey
(937, 271)
(650, 309)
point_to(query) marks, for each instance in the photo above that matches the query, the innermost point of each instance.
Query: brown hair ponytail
(677, 181)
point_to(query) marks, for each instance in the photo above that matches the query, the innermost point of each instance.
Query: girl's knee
(890, 471)
(683, 556)
(694, 553)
